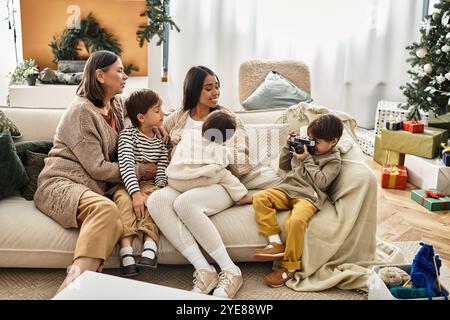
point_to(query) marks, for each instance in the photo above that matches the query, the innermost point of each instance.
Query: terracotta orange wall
(42, 19)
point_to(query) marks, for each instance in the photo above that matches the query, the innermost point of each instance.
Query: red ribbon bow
(433, 194)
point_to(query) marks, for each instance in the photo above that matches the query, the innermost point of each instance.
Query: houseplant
(158, 16)
(26, 70)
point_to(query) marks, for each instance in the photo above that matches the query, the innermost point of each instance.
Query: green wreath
(93, 37)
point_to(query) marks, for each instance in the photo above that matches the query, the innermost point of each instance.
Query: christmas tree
(429, 88)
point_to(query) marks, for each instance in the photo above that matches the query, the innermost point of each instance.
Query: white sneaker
(229, 285)
(205, 280)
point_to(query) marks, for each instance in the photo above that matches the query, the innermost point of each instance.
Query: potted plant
(26, 70)
(31, 74)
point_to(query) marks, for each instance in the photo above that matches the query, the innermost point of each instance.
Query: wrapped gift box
(386, 110)
(394, 124)
(366, 140)
(413, 126)
(428, 173)
(394, 177)
(431, 199)
(425, 144)
(442, 121)
(446, 159)
(387, 156)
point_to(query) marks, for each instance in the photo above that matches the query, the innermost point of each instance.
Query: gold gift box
(419, 144)
(387, 156)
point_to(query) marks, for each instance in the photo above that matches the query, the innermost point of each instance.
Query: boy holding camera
(303, 191)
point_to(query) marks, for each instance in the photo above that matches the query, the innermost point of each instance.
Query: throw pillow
(265, 142)
(6, 123)
(33, 146)
(33, 168)
(275, 92)
(12, 172)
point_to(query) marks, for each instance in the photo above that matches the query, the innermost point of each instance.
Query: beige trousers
(100, 226)
(131, 226)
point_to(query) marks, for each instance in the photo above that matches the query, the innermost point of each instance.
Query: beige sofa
(28, 238)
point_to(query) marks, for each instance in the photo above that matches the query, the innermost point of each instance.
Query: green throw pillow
(5, 123)
(12, 172)
(33, 168)
(275, 92)
(33, 146)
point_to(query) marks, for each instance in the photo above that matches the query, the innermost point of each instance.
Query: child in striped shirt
(139, 144)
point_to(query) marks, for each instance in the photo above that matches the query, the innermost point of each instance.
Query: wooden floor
(402, 219)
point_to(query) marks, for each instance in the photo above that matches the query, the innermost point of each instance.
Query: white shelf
(54, 96)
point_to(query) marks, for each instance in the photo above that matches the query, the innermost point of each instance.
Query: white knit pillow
(265, 143)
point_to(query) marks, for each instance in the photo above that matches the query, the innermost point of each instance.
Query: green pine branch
(158, 19)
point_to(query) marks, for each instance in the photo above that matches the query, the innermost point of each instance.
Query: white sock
(196, 258)
(149, 244)
(126, 261)
(224, 261)
(275, 238)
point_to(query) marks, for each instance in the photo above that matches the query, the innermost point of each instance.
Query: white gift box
(428, 173)
(387, 110)
(366, 140)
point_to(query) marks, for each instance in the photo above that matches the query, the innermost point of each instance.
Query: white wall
(8, 58)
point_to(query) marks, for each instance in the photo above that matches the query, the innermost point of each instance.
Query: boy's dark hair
(139, 102)
(193, 85)
(219, 126)
(327, 127)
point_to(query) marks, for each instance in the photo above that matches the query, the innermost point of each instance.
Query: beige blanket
(340, 242)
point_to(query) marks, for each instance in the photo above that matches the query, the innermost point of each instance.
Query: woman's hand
(175, 139)
(146, 171)
(139, 204)
(161, 133)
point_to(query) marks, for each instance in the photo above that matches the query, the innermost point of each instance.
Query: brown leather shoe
(273, 251)
(278, 278)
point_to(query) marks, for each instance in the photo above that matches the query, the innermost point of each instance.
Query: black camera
(296, 144)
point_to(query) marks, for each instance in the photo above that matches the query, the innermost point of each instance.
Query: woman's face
(209, 96)
(113, 78)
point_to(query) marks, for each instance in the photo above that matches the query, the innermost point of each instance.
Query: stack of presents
(411, 151)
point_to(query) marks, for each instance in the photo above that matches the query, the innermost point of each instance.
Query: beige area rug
(36, 284)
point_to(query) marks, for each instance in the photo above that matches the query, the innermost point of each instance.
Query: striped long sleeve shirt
(136, 147)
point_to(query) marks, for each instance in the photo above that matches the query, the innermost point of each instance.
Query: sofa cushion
(12, 171)
(264, 142)
(6, 123)
(38, 146)
(35, 164)
(275, 92)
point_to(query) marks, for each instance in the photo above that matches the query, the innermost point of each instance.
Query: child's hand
(139, 200)
(301, 156)
(245, 200)
(149, 189)
(291, 133)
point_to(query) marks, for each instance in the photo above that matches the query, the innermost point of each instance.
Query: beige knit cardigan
(83, 158)
(240, 165)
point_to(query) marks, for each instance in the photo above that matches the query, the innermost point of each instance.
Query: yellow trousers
(131, 226)
(266, 203)
(100, 227)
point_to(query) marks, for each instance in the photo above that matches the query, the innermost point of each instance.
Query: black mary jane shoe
(145, 262)
(130, 270)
